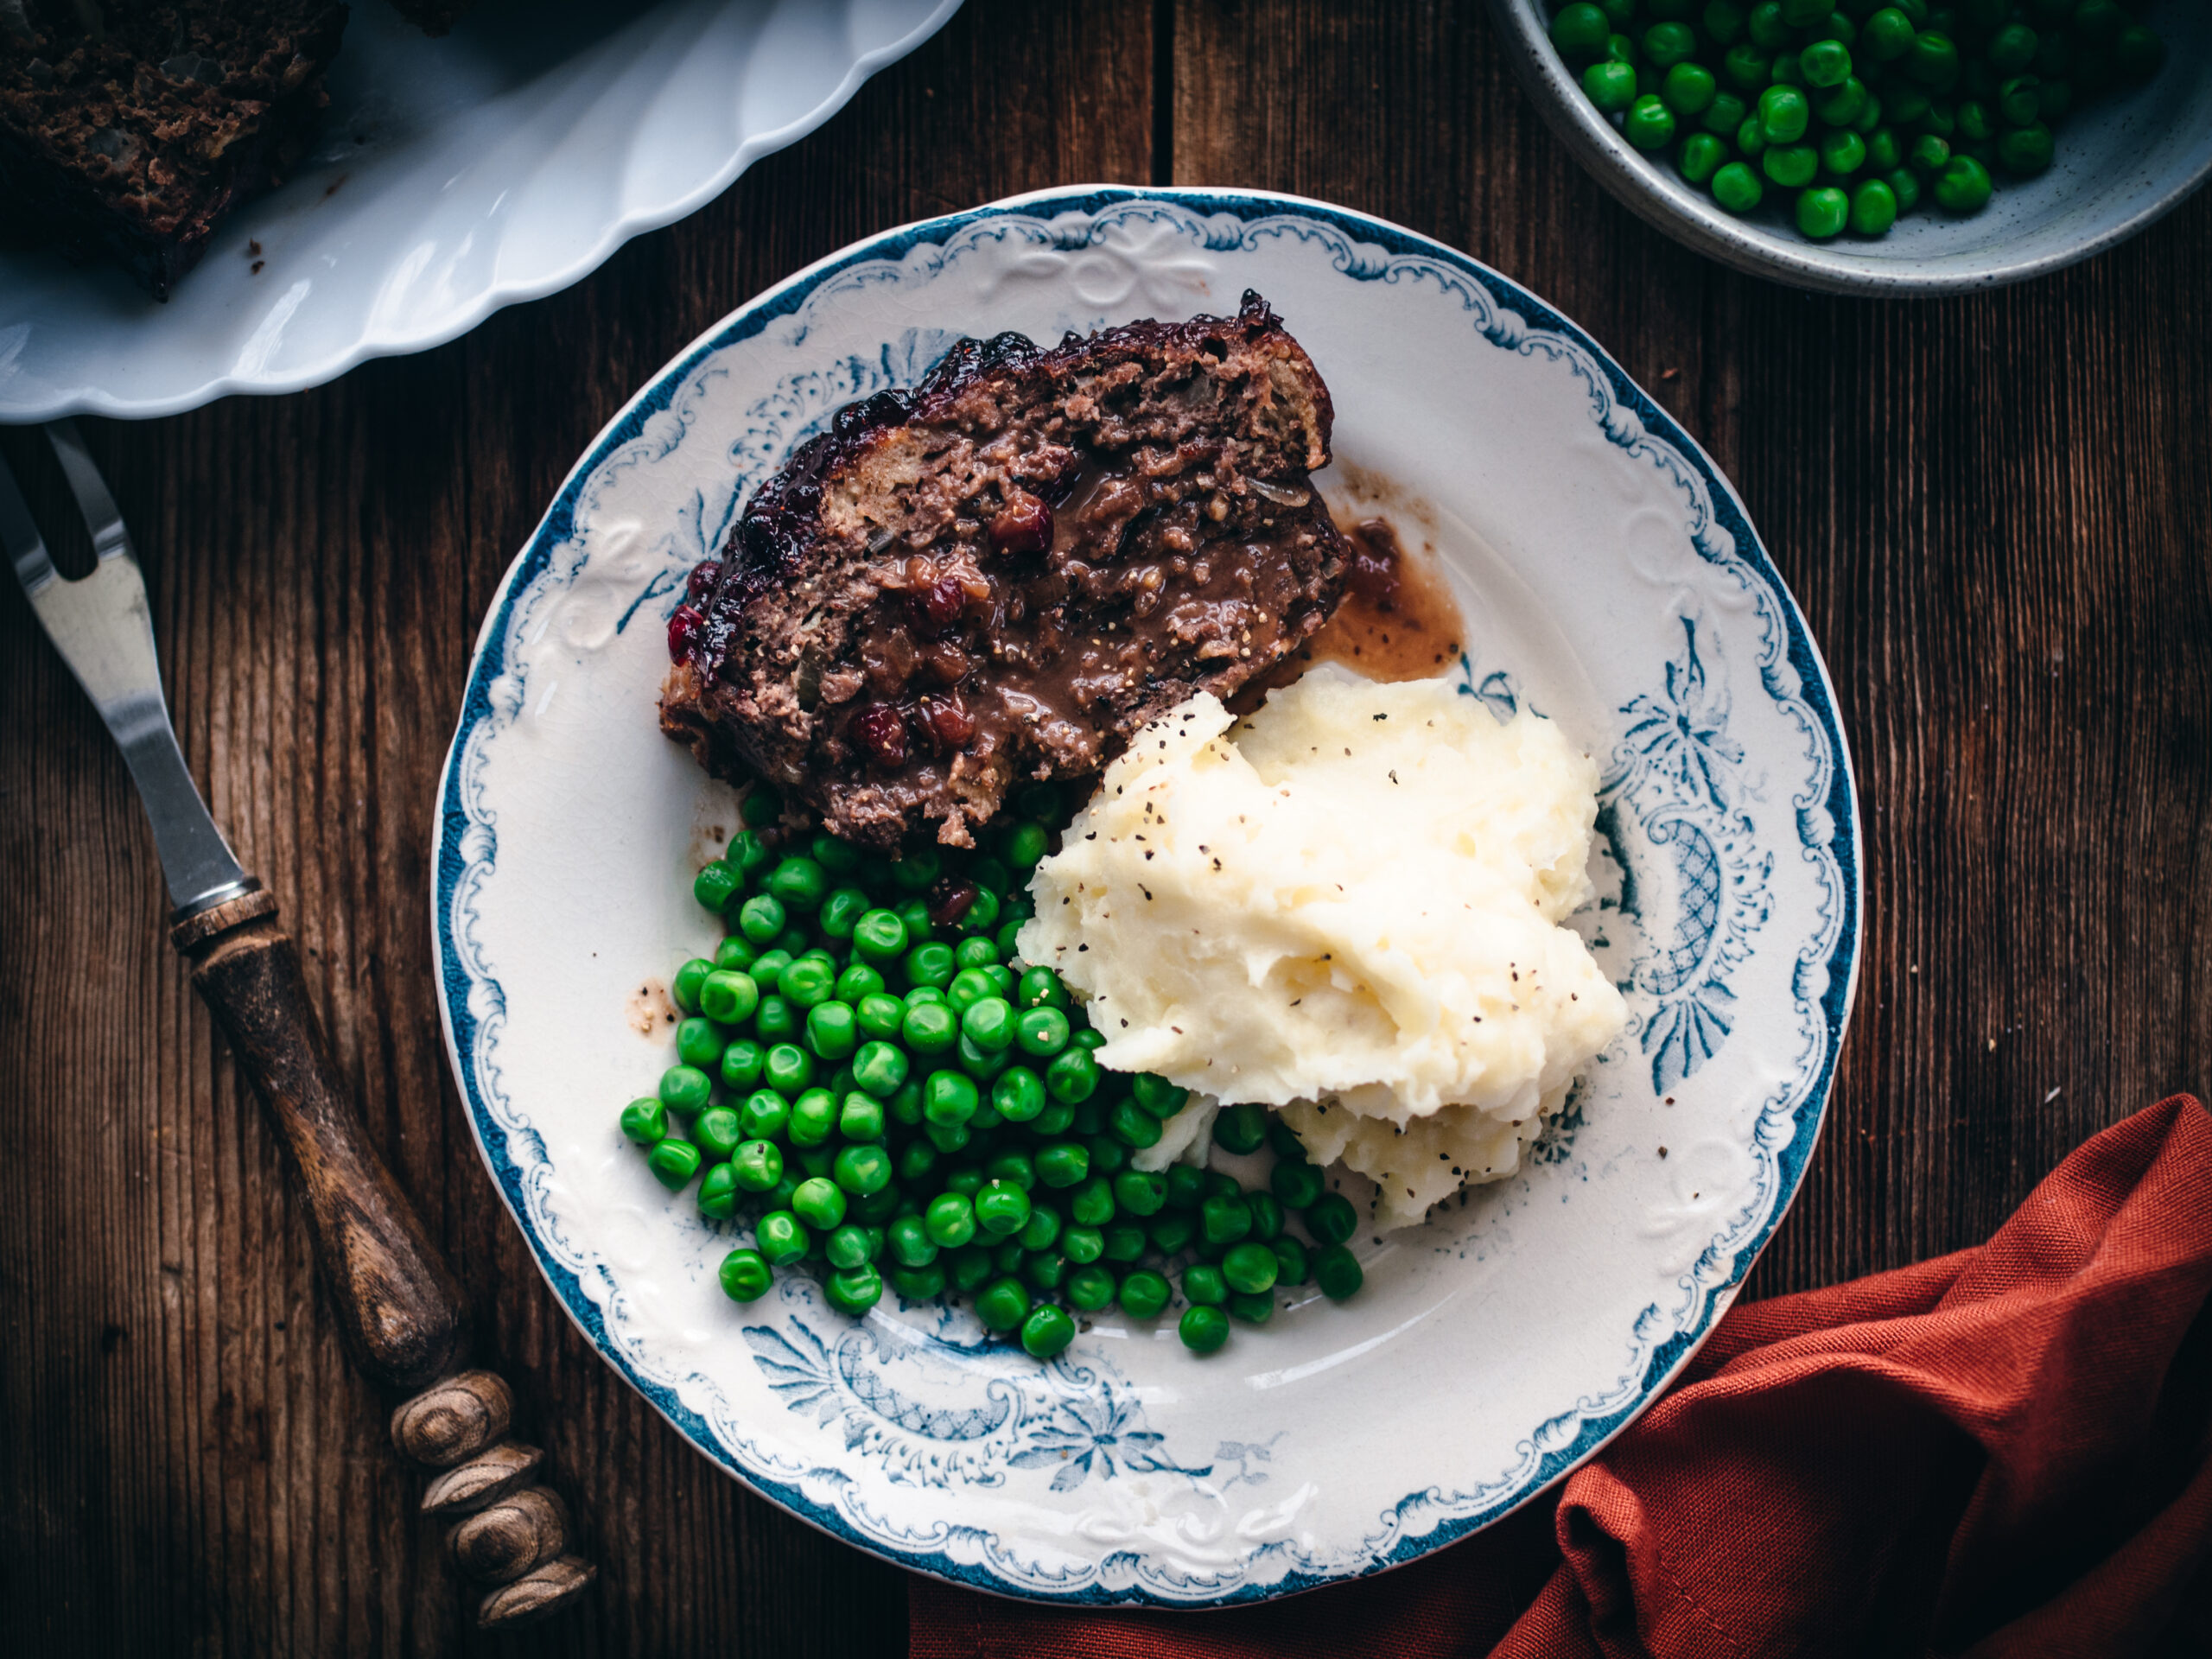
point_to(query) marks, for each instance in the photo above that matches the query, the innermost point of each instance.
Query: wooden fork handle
(399, 1309)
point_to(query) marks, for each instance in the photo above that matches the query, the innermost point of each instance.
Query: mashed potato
(1347, 907)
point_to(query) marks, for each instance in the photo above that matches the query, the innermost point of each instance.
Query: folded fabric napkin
(2003, 1451)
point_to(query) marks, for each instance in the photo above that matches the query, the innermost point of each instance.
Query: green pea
(1291, 1265)
(1884, 154)
(813, 1119)
(1746, 67)
(760, 917)
(1064, 1164)
(1688, 89)
(799, 882)
(967, 1267)
(1963, 186)
(925, 1284)
(968, 987)
(1931, 154)
(1053, 1120)
(1125, 1242)
(1131, 1125)
(860, 1118)
(1975, 124)
(1932, 61)
(950, 1220)
(840, 911)
(811, 1161)
(848, 1247)
(739, 1066)
(1667, 44)
(716, 1132)
(684, 1089)
(949, 1099)
(1295, 1185)
(1044, 1271)
(1089, 1288)
(1611, 86)
(832, 1030)
(1823, 213)
(1083, 1243)
(1906, 104)
(756, 1165)
(1904, 184)
(1873, 208)
(699, 1042)
(1336, 1272)
(764, 1115)
(875, 1209)
(1580, 30)
(908, 1238)
(930, 1029)
(1825, 63)
(820, 1202)
(1091, 1202)
(1042, 1231)
(1267, 1214)
(673, 1163)
(1842, 153)
(1087, 1038)
(782, 1237)
(1008, 936)
(1802, 14)
(1723, 114)
(645, 1122)
(718, 1193)
(1702, 154)
(880, 1068)
(1650, 123)
(879, 936)
(1018, 1095)
(715, 885)
(2025, 150)
(1041, 1031)
(1787, 71)
(1001, 1208)
(787, 1068)
(1846, 105)
(1187, 1187)
(1140, 1192)
(1108, 1154)
(745, 1275)
(2138, 52)
(1203, 1286)
(854, 1290)
(1158, 1095)
(1783, 115)
(1724, 21)
(1889, 34)
(880, 1018)
(1332, 1219)
(768, 966)
(1241, 1128)
(778, 1021)
(989, 1023)
(1766, 26)
(947, 1137)
(684, 989)
(1003, 1305)
(1040, 987)
(1072, 1077)
(918, 867)
(1224, 1220)
(1790, 165)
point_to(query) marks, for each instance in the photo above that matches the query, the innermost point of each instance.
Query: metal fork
(398, 1306)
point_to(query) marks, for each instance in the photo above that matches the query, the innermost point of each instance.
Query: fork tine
(102, 516)
(19, 537)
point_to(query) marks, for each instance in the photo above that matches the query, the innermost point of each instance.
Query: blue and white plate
(1609, 579)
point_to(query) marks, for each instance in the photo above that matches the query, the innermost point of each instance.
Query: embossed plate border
(463, 847)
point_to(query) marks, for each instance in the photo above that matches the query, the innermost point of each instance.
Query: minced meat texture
(133, 128)
(1003, 573)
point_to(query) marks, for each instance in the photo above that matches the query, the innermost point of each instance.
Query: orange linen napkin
(2004, 1452)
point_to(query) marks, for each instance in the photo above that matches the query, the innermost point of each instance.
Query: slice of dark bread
(1005, 572)
(133, 128)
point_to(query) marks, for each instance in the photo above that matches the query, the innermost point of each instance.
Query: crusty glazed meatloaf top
(1005, 572)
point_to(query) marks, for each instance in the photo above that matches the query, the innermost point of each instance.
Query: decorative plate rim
(1816, 692)
(498, 294)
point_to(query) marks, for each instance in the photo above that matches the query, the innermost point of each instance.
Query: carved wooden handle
(398, 1307)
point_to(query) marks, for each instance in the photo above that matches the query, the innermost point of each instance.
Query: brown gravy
(1398, 620)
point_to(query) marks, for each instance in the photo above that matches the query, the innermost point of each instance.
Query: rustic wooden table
(1996, 511)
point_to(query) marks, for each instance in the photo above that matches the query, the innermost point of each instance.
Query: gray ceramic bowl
(2122, 162)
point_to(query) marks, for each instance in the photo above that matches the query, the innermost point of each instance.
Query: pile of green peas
(867, 1074)
(1856, 109)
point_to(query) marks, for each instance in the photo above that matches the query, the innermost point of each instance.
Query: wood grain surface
(1996, 511)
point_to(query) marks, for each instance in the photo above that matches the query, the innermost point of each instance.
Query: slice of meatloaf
(1005, 572)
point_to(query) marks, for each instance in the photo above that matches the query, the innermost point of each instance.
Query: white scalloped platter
(1609, 579)
(451, 177)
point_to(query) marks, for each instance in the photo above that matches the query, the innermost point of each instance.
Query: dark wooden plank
(1993, 510)
(186, 1462)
